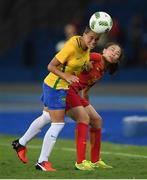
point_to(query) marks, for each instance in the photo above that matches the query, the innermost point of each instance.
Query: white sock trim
(60, 123)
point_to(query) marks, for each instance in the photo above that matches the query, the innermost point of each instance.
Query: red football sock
(81, 137)
(95, 144)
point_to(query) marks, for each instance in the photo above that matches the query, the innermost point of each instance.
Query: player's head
(90, 38)
(113, 54)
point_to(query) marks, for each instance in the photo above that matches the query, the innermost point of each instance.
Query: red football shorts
(73, 99)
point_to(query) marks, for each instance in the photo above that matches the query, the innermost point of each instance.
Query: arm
(53, 67)
(89, 66)
(94, 57)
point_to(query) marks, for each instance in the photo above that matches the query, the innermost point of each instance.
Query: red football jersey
(88, 79)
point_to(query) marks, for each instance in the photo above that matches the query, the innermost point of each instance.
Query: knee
(84, 119)
(97, 123)
(46, 117)
(55, 129)
(100, 121)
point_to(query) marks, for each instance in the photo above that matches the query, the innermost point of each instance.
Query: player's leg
(56, 103)
(82, 119)
(35, 128)
(95, 138)
(76, 111)
(20, 144)
(95, 133)
(50, 140)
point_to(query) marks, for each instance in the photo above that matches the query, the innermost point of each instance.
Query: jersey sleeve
(95, 56)
(65, 52)
(97, 59)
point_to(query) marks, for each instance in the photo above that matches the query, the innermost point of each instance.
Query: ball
(100, 22)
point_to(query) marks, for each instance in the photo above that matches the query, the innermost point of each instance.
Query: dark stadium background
(29, 31)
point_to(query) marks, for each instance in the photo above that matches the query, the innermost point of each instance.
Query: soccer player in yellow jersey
(64, 68)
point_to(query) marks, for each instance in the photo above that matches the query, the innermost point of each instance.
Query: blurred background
(32, 31)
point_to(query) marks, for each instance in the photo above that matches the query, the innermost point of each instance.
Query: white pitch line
(125, 154)
(73, 150)
(113, 153)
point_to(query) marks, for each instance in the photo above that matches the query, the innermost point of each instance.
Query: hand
(90, 65)
(70, 78)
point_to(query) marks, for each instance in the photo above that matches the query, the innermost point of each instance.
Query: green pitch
(128, 161)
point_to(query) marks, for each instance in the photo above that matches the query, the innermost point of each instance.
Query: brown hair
(87, 30)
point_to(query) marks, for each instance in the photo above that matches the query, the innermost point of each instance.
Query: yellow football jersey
(73, 60)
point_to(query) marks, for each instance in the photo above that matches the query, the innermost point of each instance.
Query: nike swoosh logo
(53, 136)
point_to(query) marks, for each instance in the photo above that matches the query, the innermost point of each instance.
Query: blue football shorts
(52, 98)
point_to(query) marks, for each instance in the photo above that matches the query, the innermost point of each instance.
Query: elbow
(49, 67)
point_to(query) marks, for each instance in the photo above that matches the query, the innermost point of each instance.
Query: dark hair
(113, 67)
(87, 30)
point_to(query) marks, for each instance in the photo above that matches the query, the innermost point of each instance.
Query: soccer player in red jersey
(83, 112)
(80, 109)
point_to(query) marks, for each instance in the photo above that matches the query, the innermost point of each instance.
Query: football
(100, 22)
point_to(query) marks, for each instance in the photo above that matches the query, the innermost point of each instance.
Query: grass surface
(128, 162)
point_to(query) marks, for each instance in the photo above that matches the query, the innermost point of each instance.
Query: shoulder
(75, 41)
(72, 42)
(95, 56)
